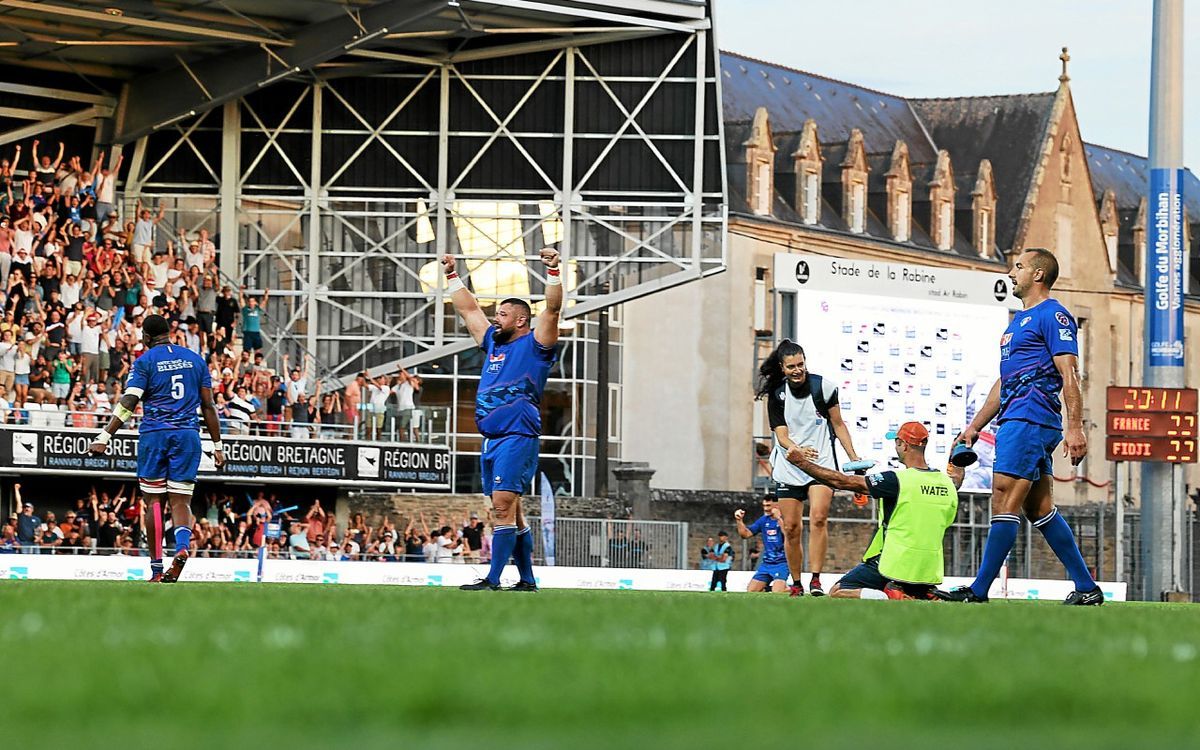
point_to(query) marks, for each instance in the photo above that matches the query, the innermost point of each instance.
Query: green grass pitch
(299, 666)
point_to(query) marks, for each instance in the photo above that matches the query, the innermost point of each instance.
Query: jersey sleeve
(139, 377)
(757, 526)
(1060, 332)
(884, 485)
(775, 411)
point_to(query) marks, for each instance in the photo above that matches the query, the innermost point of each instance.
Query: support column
(231, 167)
(312, 285)
(1164, 498)
(443, 177)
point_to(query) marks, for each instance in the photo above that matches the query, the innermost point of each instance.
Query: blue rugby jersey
(170, 378)
(1029, 381)
(514, 375)
(772, 535)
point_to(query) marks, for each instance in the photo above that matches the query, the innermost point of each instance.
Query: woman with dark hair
(803, 410)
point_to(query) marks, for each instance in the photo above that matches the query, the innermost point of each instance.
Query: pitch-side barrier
(121, 568)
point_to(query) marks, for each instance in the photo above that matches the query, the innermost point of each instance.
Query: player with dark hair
(917, 504)
(1039, 356)
(772, 563)
(802, 409)
(173, 383)
(517, 362)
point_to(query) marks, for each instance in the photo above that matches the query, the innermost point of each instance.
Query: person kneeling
(917, 505)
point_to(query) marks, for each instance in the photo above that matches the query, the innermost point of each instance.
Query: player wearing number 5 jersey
(1038, 359)
(173, 384)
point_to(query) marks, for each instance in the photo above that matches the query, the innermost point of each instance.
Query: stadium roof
(175, 58)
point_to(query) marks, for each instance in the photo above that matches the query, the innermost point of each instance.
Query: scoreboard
(1152, 424)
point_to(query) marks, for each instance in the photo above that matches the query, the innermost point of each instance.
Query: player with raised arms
(1039, 356)
(772, 563)
(802, 409)
(517, 362)
(173, 384)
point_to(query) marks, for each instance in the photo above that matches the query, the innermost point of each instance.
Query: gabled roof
(793, 96)
(1010, 131)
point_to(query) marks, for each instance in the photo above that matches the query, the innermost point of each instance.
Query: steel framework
(339, 196)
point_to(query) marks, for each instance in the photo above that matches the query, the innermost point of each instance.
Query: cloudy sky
(944, 48)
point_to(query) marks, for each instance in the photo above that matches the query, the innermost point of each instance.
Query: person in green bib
(917, 505)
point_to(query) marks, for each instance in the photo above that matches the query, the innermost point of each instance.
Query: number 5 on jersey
(177, 387)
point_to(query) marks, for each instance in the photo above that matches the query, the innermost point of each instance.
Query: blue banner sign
(1164, 269)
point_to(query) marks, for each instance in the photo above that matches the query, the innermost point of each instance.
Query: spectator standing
(472, 534)
(722, 557)
(252, 319)
(143, 232)
(29, 526)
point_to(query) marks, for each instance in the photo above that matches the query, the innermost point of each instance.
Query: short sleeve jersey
(1029, 381)
(169, 378)
(772, 535)
(514, 375)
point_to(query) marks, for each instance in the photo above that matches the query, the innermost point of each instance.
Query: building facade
(824, 167)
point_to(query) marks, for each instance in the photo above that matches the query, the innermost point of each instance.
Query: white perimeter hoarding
(16, 568)
(903, 343)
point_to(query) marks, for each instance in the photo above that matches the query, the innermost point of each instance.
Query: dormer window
(983, 211)
(854, 183)
(760, 164)
(899, 194)
(941, 199)
(808, 163)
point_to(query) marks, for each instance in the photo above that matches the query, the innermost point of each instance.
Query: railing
(614, 543)
(426, 424)
(240, 554)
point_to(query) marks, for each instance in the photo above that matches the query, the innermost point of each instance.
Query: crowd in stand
(105, 524)
(78, 279)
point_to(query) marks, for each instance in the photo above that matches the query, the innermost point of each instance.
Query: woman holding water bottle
(803, 410)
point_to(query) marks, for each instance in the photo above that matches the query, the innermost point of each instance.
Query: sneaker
(960, 594)
(815, 588)
(522, 586)
(173, 573)
(796, 589)
(482, 584)
(895, 593)
(1093, 598)
(156, 578)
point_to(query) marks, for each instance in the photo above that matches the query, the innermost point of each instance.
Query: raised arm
(465, 303)
(1075, 445)
(738, 516)
(58, 158)
(546, 332)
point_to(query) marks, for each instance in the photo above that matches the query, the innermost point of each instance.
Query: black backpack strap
(816, 389)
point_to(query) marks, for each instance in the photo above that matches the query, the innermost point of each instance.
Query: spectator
(251, 319)
(241, 410)
(143, 232)
(298, 542)
(473, 536)
(29, 526)
(108, 534)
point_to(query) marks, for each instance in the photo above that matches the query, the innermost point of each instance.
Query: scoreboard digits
(1152, 424)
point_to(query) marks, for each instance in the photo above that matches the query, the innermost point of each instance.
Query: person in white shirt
(8, 359)
(379, 391)
(70, 289)
(89, 347)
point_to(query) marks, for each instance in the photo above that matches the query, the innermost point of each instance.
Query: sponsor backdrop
(120, 568)
(903, 343)
(31, 450)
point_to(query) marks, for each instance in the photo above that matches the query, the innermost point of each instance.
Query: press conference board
(904, 342)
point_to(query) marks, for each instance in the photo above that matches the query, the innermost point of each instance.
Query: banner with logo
(1164, 269)
(902, 342)
(122, 568)
(547, 493)
(50, 450)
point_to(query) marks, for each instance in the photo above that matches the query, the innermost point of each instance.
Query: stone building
(821, 166)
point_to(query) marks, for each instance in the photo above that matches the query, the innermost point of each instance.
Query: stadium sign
(41, 450)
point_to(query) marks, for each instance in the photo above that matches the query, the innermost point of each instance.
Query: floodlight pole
(1163, 495)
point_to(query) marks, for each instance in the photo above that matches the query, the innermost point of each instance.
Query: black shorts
(792, 491)
(866, 575)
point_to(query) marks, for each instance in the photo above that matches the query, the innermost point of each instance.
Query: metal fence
(609, 543)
